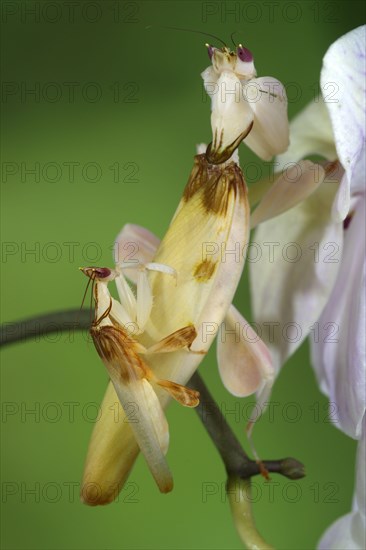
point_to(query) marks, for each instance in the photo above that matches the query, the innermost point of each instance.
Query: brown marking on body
(185, 396)
(177, 340)
(117, 350)
(216, 154)
(124, 363)
(215, 183)
(204, 271)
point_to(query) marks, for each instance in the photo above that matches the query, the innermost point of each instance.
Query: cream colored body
(214, 209)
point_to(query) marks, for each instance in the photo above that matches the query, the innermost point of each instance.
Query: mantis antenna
(189, 30)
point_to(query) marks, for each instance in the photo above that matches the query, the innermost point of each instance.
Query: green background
(159, 116)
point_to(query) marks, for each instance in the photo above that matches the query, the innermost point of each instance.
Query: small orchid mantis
(244, 108)
(131, 376)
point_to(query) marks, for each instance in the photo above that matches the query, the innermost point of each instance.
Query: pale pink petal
(144, 244)
(294, 261)
(343, 86)
(134, 245)
(268, 101)
(244, 360)
(338, 354)
(294, 185)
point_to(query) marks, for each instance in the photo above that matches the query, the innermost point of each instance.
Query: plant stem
(234, 457)
(232, 453)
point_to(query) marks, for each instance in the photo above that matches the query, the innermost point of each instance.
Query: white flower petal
(310, 134)
(342, 200)
(344, 89)
(344, 534)
(294, 185)
(270, 133)
(349, 531)
(339, 354)
(244, 360)
(294, 261)
(358, 173)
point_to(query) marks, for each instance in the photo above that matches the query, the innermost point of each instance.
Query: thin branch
(234, 457)
(232, 453)
(36, 327)
(226, 442)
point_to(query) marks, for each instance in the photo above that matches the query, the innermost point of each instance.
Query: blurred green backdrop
(109, 132)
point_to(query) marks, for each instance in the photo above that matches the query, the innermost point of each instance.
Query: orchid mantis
(132, 378)
(244, 108)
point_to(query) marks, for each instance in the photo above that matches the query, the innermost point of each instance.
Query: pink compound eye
(210, 51)
(102, 272)
(244, 54)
